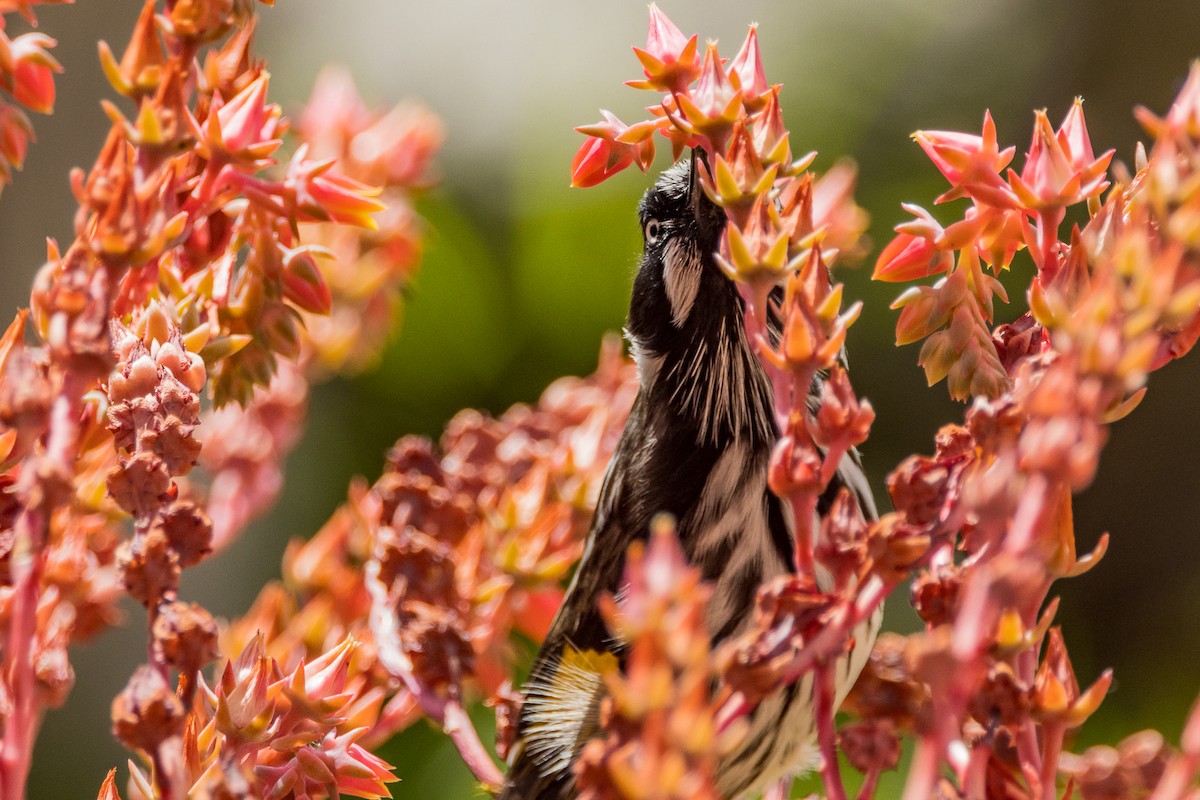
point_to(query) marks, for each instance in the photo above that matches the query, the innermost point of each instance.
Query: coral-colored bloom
(335, 111)
(906, 258)
(15, 135)
(739, 177)
(1056, 693)
(1183, 118)
(669, 60)
(322, 193)
(140, 68)
(756, 253)
(247, 126)
(970, 162)
(611, 146)
(33, 68)
(746, 71)
(1060, 168)
(713, 105)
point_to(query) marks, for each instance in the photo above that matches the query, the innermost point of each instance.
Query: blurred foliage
(524, 275)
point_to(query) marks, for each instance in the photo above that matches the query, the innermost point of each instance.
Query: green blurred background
(523, 274)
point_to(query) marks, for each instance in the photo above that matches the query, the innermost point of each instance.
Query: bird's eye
(653, 231)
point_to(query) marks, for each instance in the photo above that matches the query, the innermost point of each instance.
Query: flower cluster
(260, 731)
(783, 226)
(200, 253)
(991, 510)
(27, 78)
(347, 284)
(663, 739)
(432, 568)
(725, 109)
(1024, 211)
(983, 526)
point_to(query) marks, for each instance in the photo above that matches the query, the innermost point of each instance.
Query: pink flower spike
(713, 104)
(1049, 178)
(247, 124)
(33, 71)
(15, 134)
(1073, 136)
(323, 194)
(970, 163)
(669, 60)
(906, 258)
(746, 72)
(596, 161)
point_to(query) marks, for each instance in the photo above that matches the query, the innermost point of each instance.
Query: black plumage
(696, 446)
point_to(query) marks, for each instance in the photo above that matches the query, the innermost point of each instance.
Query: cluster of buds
(27, 77)
(990, 513)
(347, 302)
(777, 211)
(985, 524)
(661, 720)
(1024, 211)
(434, 567)
(784, 225)
(199, 256)
(153, 409)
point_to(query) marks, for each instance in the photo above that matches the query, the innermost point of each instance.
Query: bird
(696, 446)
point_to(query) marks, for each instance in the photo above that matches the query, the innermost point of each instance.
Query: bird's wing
(563, 693)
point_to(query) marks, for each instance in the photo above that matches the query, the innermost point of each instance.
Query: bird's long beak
(694, 189)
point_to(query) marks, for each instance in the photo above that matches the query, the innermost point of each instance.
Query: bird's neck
(712, 381)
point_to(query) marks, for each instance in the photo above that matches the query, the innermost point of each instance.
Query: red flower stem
(17, 745)
(867, 790)
(1052, 736)
(974, 780)
(833, 459)
(754, 320)
(458, 726)
(1177, 777)
(804, 508)
(790, 392)
(445, 711)
(923, 772)
(46, 478)
(162, 777)
(824, 645)
(1046, 252)
(1027, 519)
(1028, 750)
(823, 710)
(971, 626)
(974, 620)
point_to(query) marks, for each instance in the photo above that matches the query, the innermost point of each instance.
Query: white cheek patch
(681, 277)
(648, 363)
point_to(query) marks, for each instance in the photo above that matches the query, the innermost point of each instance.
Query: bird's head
(678, 285)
